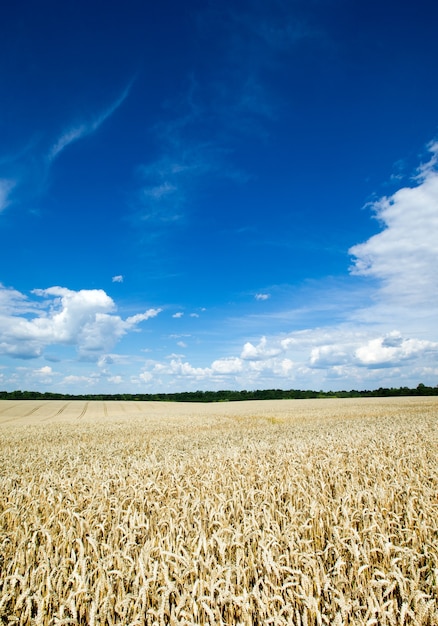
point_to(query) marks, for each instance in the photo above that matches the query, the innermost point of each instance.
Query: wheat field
(298, 512)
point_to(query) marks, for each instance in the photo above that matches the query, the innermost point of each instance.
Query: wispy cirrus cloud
(232, 102)
(187, 164)
(26, 171)
(6, 186)
(83, 129)
(214, 114)
(173, 181)
(277, 28)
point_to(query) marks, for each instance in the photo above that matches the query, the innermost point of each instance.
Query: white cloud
(262, 296)
(141, 317)
(111, 359)
(287, 343)
(84, 319)
(146, 377)
(403, 257)
(116, 380)
(12, 301)
(186, 370)
(260, 352)
(73, 379)
(334, 357)
(328, 355)
(117, 279)
(229, 365)
(44, 370)
(284, 367)
(390, 342)
(393, 350)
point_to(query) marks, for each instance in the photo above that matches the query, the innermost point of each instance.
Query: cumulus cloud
(229, 365)
(262, 296)
(327, 355)
(13, 301)
(392, 350)
(385, 343)
(388, 340)
(46, 369)
(186, 370)
(335, 357)
(146, 377)
(74, 379)
(342, 349)
(115, 380)
(315, 358)
(117, 279)
(403, 257)
(284, 367)
(84, 319)
(259, 352)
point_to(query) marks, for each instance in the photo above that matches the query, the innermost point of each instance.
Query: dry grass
(282, 512)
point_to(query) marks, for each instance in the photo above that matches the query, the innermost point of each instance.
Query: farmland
(306, 512)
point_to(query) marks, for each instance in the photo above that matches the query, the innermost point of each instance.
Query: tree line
(225, 395)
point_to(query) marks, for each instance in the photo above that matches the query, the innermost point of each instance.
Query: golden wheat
(285, 512)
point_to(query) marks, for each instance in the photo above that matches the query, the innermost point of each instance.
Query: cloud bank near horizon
(394, 339)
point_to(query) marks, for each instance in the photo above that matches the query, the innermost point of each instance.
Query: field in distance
(306, 512)
(33, 412)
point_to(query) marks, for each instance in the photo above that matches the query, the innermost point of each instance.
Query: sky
(210, 195)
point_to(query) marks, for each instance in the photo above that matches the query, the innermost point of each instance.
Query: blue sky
(218, 195)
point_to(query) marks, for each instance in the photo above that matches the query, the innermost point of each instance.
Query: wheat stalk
(308, 513)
